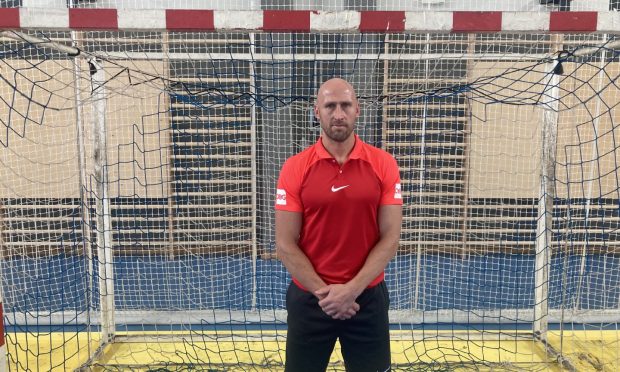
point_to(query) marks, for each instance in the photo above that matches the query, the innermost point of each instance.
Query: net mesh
(137, 184)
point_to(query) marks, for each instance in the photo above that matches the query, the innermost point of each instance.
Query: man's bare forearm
(390, 220)
(288, 226)
(299, 266)
(378, 259)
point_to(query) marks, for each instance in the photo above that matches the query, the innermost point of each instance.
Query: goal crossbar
(192, 20)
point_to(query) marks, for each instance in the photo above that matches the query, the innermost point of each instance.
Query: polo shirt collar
(355, 153)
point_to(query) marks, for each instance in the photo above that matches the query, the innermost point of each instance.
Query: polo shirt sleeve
(289, 188)
(390, 183)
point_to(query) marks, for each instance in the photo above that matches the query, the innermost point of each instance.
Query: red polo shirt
(339, 204)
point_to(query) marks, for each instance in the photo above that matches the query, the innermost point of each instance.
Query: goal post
(3, 361)
(549, 138)
(103, 210)
(139, 151)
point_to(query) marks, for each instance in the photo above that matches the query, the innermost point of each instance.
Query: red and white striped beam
(307, 20)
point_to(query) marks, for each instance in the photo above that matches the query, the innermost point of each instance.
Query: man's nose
(339, 112)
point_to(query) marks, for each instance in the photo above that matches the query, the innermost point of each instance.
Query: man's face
(337, 110)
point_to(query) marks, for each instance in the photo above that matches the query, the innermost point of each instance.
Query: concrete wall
(505, 5)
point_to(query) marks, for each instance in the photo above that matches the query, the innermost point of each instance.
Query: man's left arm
(341, 296)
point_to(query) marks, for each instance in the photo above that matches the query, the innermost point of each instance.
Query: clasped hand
(337, 301)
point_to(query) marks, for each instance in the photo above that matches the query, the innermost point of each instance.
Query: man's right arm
(288, 227)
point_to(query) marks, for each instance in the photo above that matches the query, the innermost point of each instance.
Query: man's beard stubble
(338, 135)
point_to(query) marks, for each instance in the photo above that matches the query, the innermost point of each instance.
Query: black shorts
(364, 339)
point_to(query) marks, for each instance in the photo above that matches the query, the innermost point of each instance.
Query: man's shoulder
(376, 153)
(302, 159)
(305, 154)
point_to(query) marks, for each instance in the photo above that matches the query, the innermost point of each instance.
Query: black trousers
(364, 339)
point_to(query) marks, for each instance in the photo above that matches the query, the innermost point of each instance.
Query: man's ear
(314, 120)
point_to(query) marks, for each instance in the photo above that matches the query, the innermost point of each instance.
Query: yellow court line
(587, 350)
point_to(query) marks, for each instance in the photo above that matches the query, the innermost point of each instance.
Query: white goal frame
(25, 19)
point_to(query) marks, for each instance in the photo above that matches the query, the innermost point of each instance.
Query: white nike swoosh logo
(334, 189)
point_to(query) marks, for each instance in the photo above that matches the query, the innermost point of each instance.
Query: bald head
(336, 85)
(337, 110)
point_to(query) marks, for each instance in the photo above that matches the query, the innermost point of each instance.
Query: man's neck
(339, 150)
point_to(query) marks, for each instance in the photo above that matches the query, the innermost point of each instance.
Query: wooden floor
(584, 350)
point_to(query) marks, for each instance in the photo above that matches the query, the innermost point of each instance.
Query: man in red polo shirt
(338, 219)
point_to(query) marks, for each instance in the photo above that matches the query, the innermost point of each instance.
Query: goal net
(138, 173)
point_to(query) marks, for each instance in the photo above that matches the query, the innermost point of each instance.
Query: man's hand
(337, 301)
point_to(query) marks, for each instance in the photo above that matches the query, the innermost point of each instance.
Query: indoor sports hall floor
(423, 347)
(587, 351)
